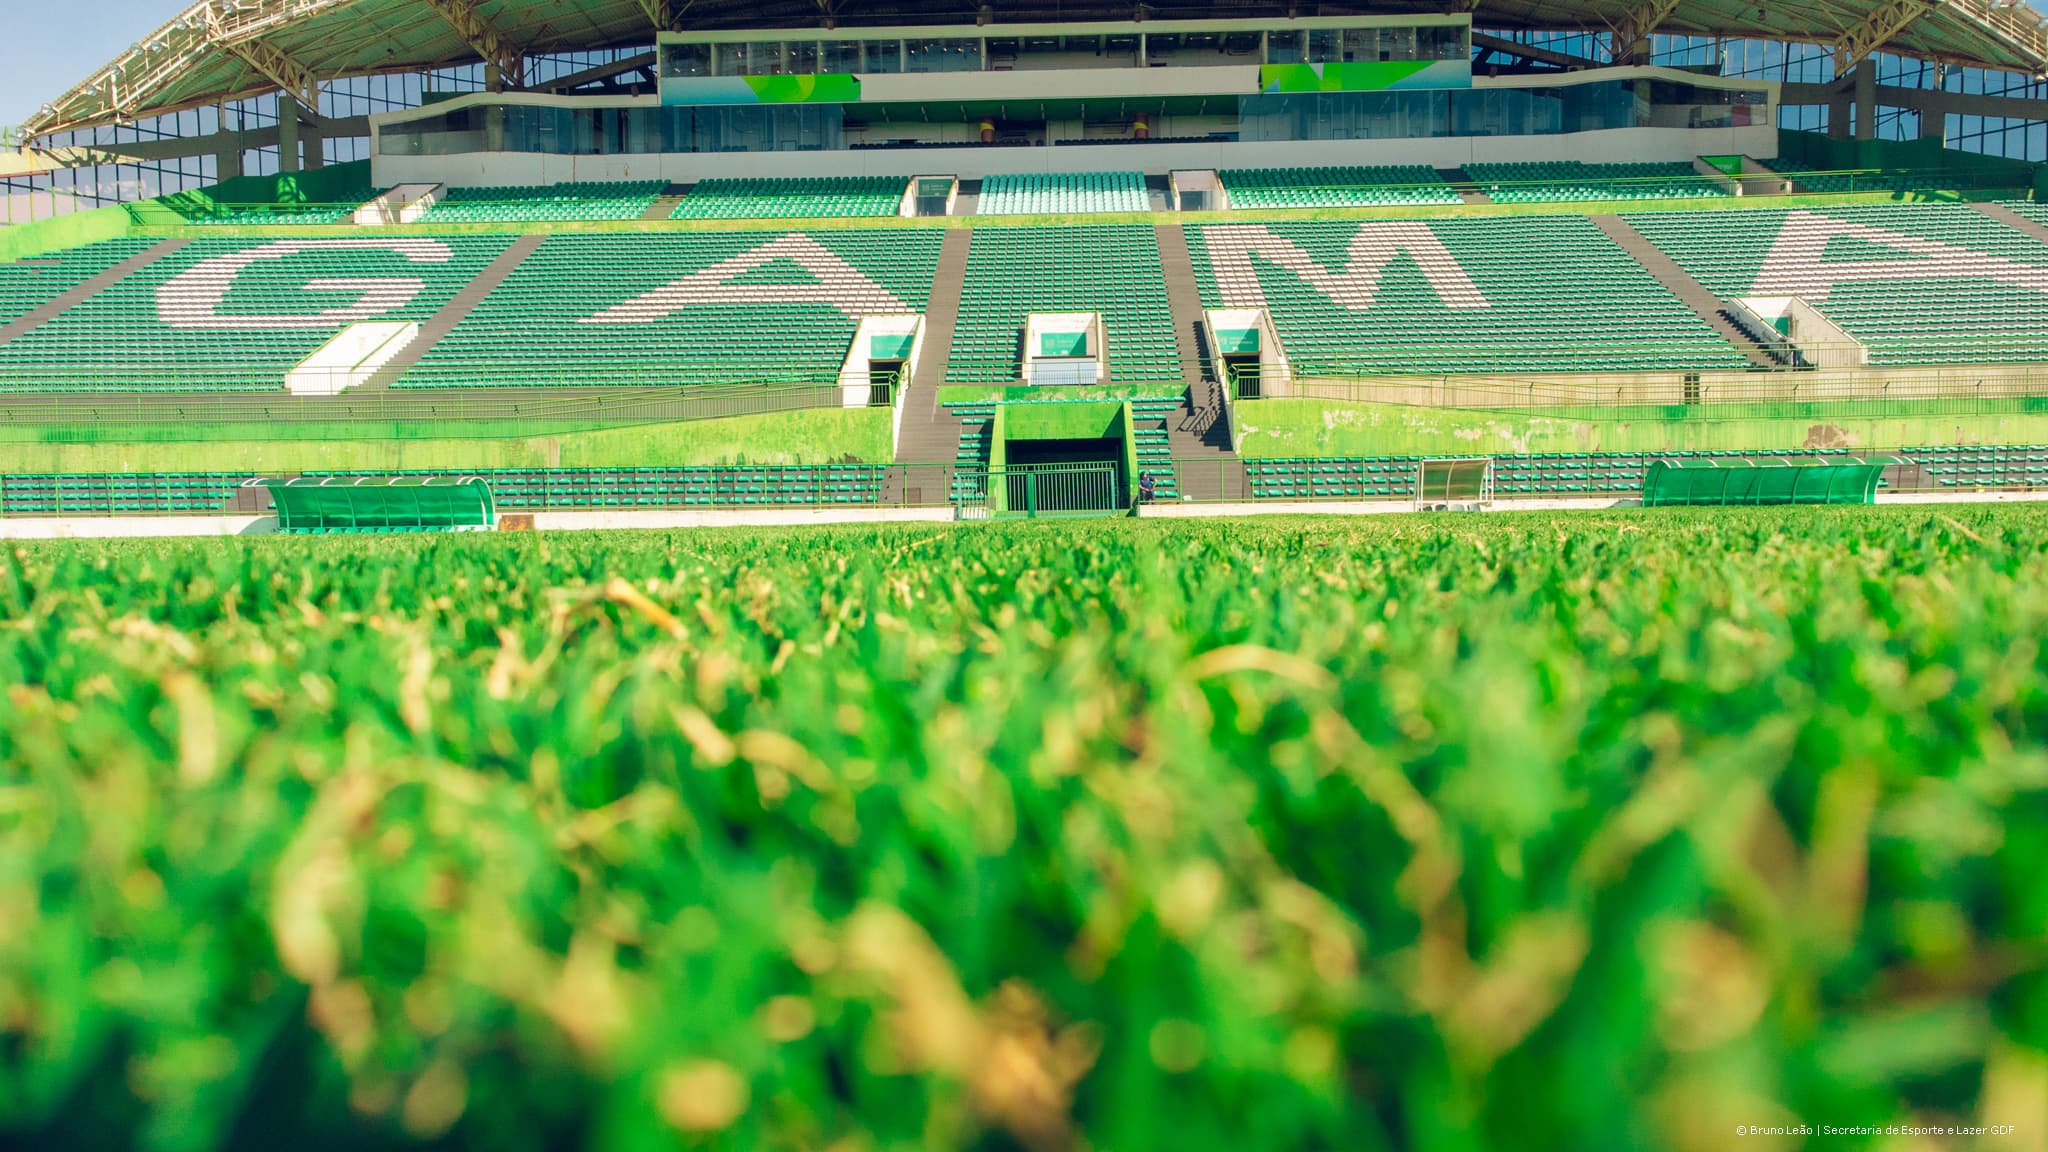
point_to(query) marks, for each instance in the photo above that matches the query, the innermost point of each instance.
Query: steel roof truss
(1636, 25)
(483, 37)
(1877, 29)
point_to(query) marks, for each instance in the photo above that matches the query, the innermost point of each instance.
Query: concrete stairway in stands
(664, 206)
(452, 313)
(2013, 220)
(968, 202)
(1462, 183)
(931, 434)
(1680, 283)
(1199, 427)
(85, 290)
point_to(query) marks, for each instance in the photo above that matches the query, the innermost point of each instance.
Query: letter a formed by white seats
(1794, 266)
(1231, 247)
(838, 284)
(193, 298)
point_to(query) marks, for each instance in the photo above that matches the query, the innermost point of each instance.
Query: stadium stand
(684, 487)
(523, 488)
(1568, 181)
(1813, 179)
(241, 215)
(1505, 294)
(676, 308)
(1915, 283)
(1621, 473)
(1038, 194)
(29, 284)
(1353, 187)
(1109, 269)
(229, 315)
(977, 429)
(2031, 210)
(792, 199)
(582, 201)
(1615, 474)
(1154, 446)
(46, 494)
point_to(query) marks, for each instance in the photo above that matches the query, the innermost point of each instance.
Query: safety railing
(1925, 181)
(1033, 491)
(86, 416)
(720, 488)
(1876, 391)
(1608, 475)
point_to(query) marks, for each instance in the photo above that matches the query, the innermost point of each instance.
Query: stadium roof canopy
(219, 50)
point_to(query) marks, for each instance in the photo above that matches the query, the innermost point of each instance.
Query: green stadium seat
(1567, 181)
(1338, 187)
(1967, 318)
(1055, 194)
(1560, 296)
(813, 198)
(531, 330)
(128, 339)
(553, 202)
(1110, 269)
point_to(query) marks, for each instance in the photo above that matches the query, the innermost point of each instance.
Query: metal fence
(401, 414)
(515, 490)
(1034, 491)
(1950, 390)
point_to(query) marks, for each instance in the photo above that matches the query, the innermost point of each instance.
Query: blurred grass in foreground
(1531, 832)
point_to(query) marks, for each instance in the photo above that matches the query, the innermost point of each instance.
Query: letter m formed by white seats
(834, 282)
(1231, 247)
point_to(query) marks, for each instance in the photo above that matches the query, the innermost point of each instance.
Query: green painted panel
(826, 88)
(73, 230)
(1062, 343)
(1365, 76)
(1060, 421)
(1237, 341)
(890, 346)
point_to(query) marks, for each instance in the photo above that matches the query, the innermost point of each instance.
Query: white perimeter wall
(1615, 145)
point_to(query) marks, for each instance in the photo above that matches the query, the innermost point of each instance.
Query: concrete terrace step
(441, 323)
(932, 431)
(1462, 183)
(1680, 283)
(2013, 220)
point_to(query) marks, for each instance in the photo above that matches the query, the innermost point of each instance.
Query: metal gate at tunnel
(1038, 491)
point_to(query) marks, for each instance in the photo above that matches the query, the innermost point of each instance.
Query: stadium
(1040, 576)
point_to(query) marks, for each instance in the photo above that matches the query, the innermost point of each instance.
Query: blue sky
(45, 56)
(48, 52)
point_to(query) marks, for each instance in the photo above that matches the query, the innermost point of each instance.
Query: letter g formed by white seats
(193, 298)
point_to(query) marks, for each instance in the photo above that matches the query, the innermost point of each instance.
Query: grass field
(1534, 831)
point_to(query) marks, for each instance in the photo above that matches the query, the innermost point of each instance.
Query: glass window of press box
(1496, 111)
(1181, 49)
(1280, 117)
(1366, 45)
(618, 131)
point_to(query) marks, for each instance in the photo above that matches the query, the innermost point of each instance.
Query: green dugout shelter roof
(1764, 480)
(351, 504)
